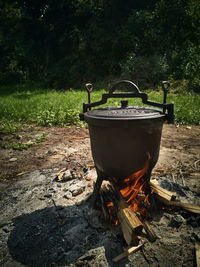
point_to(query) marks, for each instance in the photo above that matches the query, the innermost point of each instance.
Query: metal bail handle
(134, 94)
(125, 82)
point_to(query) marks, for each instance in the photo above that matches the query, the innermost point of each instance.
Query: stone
(91, 175)
(67, 175)
(68, 195)
(74, 175)
(77, 188)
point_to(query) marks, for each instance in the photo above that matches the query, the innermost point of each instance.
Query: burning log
(109, 203)
(130, 223)
(125, 200)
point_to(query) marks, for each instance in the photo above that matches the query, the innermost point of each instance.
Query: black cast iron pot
(122, 138)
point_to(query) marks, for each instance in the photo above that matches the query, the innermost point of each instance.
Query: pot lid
(129, 112)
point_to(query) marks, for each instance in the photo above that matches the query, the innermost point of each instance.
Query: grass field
(19, 105)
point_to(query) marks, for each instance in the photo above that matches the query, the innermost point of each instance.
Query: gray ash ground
(47, 222)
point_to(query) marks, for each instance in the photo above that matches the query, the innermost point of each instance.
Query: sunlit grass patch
(62, 108)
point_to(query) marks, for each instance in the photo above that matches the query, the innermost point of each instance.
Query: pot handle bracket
(135, 94)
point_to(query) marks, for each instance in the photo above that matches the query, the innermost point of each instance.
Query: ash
(46, 221)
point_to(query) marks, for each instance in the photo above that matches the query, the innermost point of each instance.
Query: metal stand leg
(96, 191)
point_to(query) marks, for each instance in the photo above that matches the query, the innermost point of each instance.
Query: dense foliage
(60, 43)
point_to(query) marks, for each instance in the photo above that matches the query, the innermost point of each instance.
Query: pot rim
(117, 113)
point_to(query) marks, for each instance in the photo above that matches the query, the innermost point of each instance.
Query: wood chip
(181, 174)
(173, 177)
(21, 173)
(59, 175)
(196, 162)
(127, 253)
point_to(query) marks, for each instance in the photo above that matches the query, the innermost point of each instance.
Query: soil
(47, 222)
(63, 147)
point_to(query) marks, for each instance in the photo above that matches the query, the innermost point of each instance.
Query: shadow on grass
(60, 235)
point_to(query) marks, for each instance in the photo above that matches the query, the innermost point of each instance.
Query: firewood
(187, 206)
(167, 195)
(130, 225)
(127, 253)
(197, 250)
(150, 233)
(107, 196)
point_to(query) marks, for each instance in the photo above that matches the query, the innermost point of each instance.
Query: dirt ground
(62, 148)
(70, 148)
(32, 203)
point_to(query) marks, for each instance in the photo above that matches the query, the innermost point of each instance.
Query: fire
(132, 189)
(111, 212)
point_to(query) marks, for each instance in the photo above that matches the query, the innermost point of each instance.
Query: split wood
(127, 253)
(129, 221)
(197, 250)
(167, 195)
(151, 235)
(131, 225)
(187, 206)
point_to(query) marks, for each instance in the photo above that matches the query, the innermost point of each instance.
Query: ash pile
(47, 221)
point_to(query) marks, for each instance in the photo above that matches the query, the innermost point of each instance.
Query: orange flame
(132, 189)
(111, 211)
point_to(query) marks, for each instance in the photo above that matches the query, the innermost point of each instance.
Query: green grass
(49, 107)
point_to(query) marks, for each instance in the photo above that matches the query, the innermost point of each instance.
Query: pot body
(121, 148)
